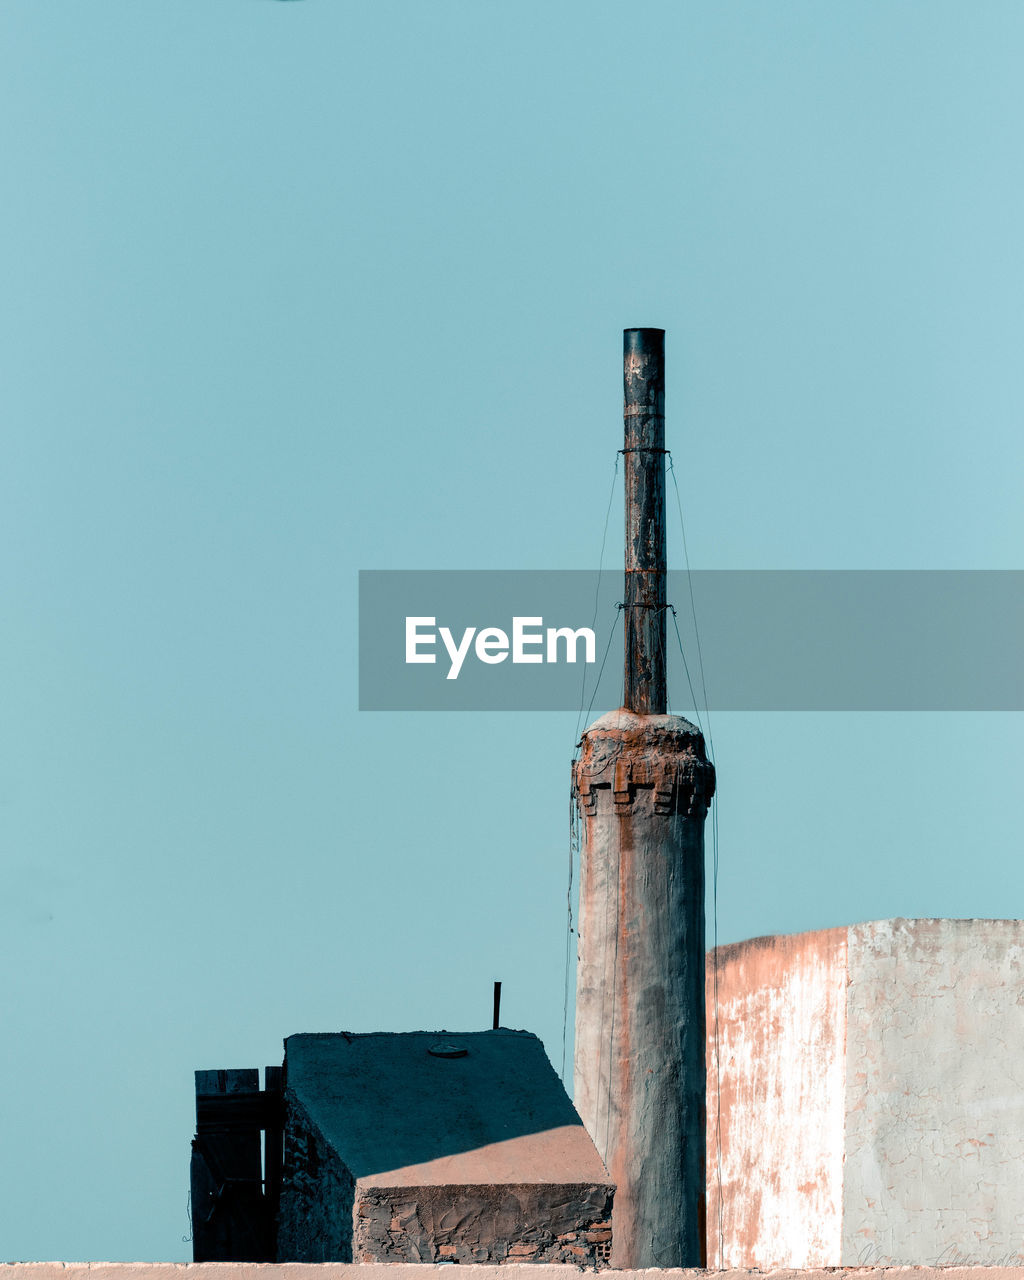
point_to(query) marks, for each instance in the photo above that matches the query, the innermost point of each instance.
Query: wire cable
(597, 593)
(575, 835)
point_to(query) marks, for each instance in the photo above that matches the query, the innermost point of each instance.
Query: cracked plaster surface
(934, 1167)
(872, 1097)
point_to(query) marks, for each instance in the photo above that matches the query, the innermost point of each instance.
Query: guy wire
(597, 593)
(574, 816)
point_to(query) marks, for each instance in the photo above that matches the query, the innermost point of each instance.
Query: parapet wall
(428, 1271)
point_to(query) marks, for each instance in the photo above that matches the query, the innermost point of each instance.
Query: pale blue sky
(293, 289)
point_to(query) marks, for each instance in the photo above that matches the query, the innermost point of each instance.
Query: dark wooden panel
(223, 1112)
(273, 1150)
(230, 1222)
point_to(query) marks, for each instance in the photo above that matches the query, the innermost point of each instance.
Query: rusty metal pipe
(643, 380)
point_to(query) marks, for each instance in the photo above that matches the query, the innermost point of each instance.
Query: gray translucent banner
(782, 640)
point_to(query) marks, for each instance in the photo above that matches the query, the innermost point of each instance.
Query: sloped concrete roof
(399, 1111)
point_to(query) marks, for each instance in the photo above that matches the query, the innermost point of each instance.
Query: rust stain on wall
(775, 1077)
(643, 784)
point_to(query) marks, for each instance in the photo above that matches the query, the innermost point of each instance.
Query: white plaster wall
(934, 1168)
(781, 1060)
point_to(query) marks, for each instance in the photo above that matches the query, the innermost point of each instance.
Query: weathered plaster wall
(315, 1218)
(643, 784)
(776, 1198)
(872, 1096)
(935, 1092)
(488, 1223)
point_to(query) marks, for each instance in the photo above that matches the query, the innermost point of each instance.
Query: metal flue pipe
(643, 379)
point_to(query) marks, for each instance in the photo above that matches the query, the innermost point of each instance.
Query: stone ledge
(421, 1271)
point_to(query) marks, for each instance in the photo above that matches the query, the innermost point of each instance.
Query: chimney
(643, 381)
(643, 783)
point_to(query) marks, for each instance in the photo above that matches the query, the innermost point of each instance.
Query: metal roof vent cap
(447, 1049)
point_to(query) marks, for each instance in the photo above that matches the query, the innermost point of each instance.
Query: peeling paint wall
(776, 1198)
(872, 1097)
(935, 1093)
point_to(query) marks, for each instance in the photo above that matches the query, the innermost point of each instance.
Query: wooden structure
(235, 1173)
